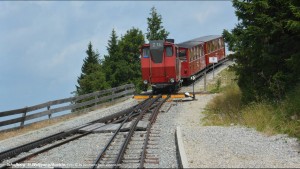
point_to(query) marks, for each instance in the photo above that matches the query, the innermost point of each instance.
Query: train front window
(146, 53)
(169, 51)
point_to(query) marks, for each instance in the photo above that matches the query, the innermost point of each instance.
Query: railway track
(134, 143)
(126, 147)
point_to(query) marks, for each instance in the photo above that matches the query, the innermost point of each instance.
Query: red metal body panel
(161, 73)
(198, 53)
(195, 61)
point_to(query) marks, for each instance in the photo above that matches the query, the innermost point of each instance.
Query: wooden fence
(76, 103)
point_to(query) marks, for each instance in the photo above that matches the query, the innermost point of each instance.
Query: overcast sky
(43, 43)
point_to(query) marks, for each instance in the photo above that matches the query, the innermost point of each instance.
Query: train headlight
(145, 82)
(172, 80)
(193, 78)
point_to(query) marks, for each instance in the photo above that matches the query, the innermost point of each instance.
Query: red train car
(160, 64)
(195, 54)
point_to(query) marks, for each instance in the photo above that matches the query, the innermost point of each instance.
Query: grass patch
(224, 109)
(224, 78)
(270, 118)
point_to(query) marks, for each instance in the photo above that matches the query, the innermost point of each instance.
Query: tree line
(266, 46)
(122, 63)
(265, 42)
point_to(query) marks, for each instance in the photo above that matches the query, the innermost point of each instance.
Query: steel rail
(26, 147)
(109, 143)
(132, 129)
(44, 150)
(152, 120)
(133, 113)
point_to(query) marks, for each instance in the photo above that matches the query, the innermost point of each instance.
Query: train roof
(197, 41)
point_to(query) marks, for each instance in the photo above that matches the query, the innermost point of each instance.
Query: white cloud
(205, 15)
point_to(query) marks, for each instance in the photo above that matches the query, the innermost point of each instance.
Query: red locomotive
(165, 64)
(161, 66)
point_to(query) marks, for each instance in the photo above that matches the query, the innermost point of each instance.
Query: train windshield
(169, 51)
(146, 52)
(156, 50)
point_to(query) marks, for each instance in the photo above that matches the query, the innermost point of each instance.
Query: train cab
(160, 64)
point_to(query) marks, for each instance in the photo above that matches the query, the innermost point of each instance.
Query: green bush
(269, 117)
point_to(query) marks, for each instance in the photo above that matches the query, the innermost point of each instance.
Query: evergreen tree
(92, 77)
(112, 47)
(129, 66)
(155, 30)
(92, 58)
(122, 64)
(109, 63)
(266, 44)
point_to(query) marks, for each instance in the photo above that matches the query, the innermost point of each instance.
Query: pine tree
(112, 47)
(92, 77)
(93, 58)
(109, 63)
(266, 44)
(129, 64)
(155, 30)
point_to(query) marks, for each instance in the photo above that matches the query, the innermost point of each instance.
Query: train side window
(146, 52)
(169, 51)
(182, 54)
(222, 43)
(201, 51)
(206, 46)
(191, 54)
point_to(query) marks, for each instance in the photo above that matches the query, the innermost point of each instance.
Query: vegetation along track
(139, 119)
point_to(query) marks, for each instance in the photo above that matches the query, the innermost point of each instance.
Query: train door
(184, 62)
(178, 65)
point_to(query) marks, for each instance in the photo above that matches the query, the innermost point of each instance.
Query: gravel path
(235, 146)
(238, 147)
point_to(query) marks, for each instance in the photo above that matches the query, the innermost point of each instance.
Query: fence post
(96, 97)
(49, 115)
(24, 117)
(112, 93)
(126, 88)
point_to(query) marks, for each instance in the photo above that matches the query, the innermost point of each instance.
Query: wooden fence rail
(77, 102)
